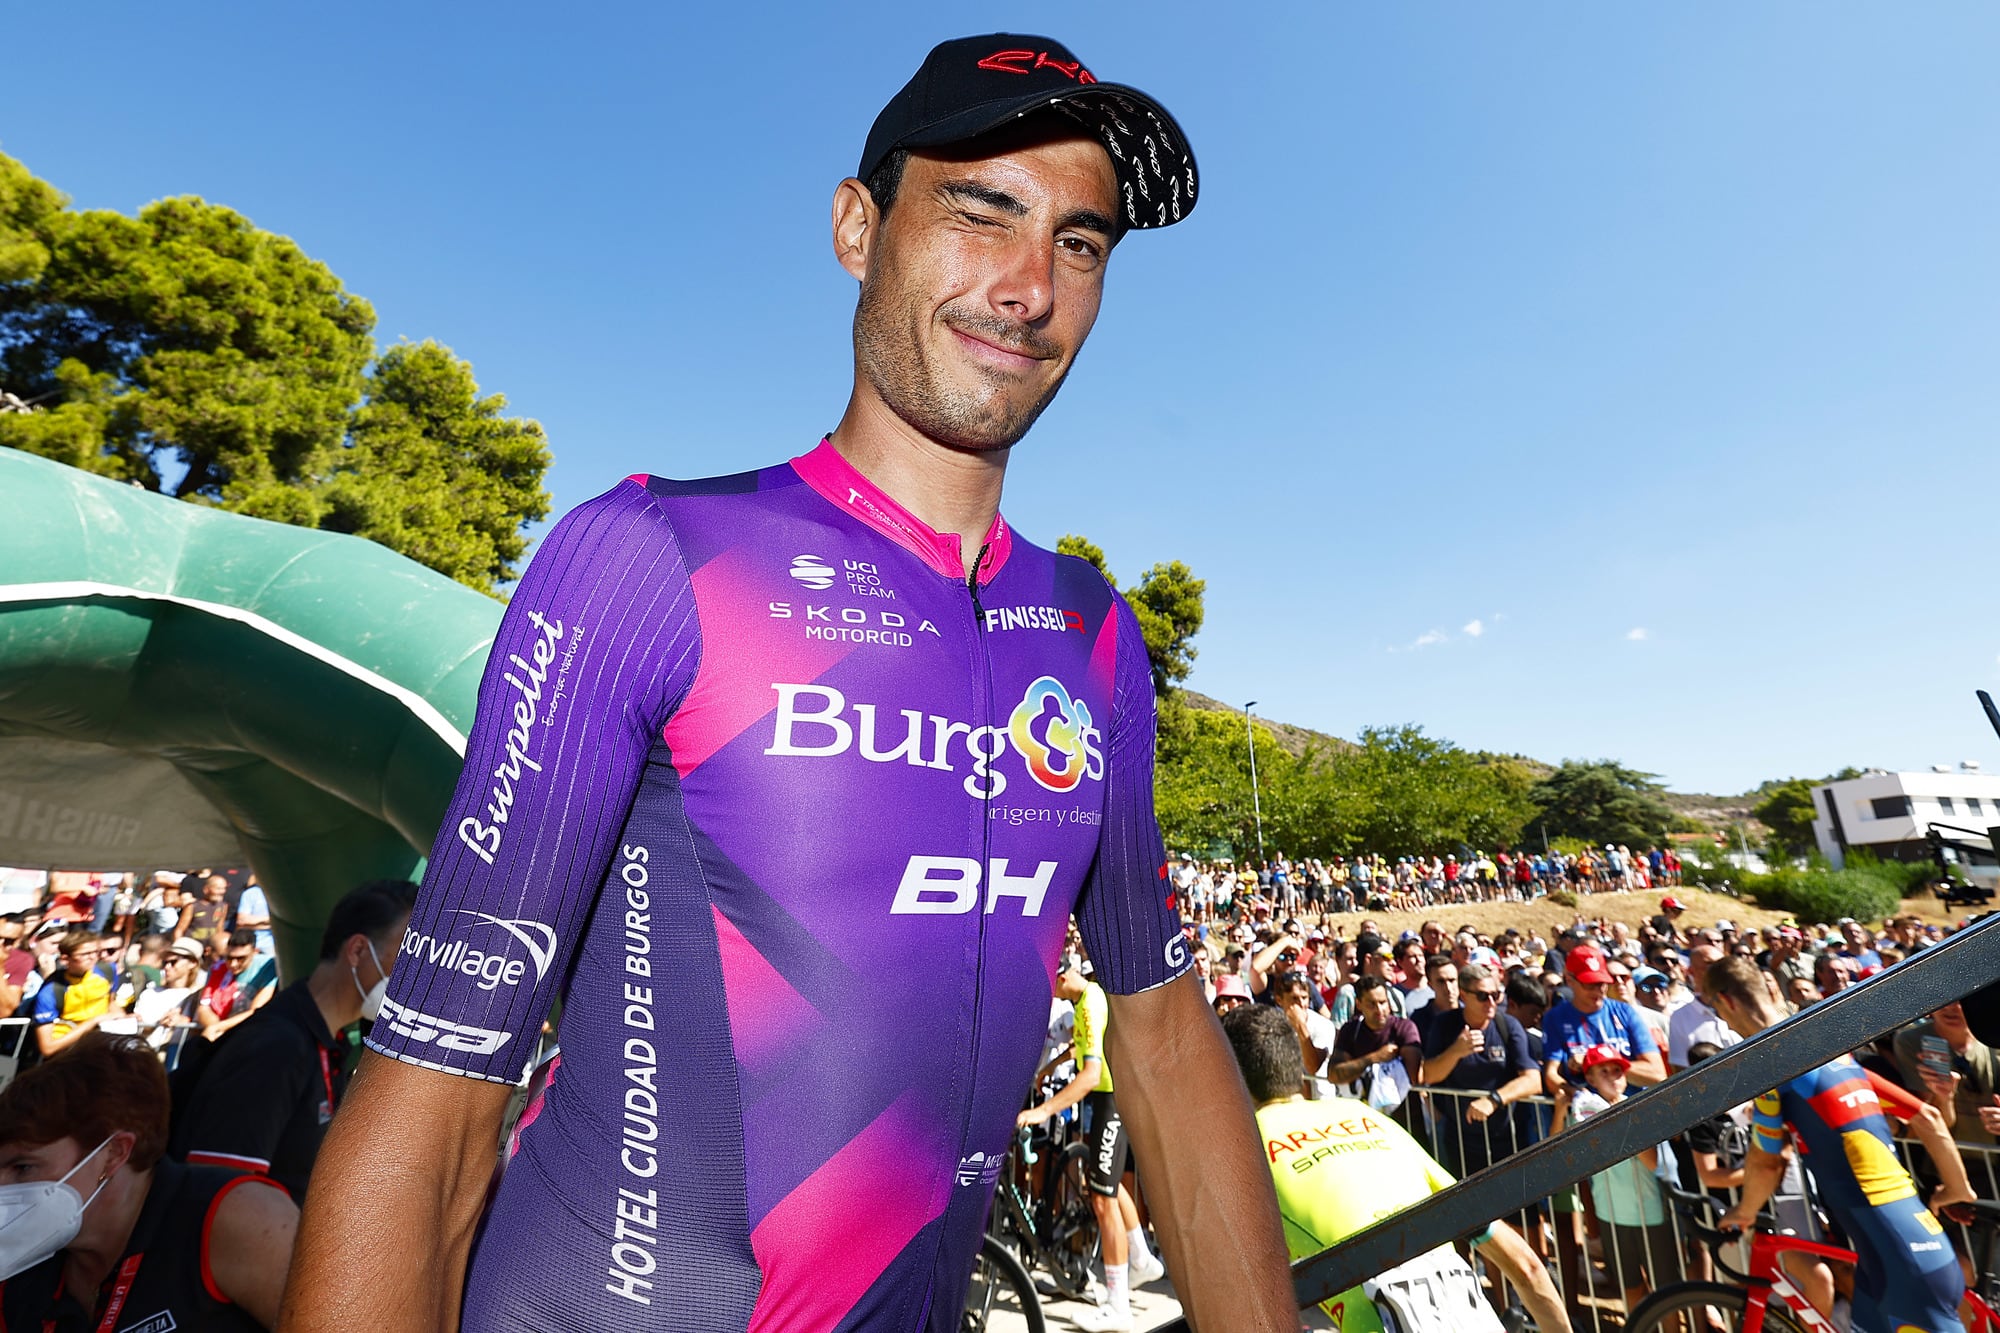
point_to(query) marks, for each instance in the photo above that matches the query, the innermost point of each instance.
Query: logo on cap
(1015, 62)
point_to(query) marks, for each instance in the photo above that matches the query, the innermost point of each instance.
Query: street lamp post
(1256, 805)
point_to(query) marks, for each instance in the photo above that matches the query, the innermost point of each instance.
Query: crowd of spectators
(164, 956)
(1371, 882)
(161, 1062)
(1480, 1044)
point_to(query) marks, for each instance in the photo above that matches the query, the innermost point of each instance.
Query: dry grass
(1547, 918)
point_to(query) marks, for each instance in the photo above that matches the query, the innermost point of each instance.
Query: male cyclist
(747, 746)
(1128, 1261)
(1906, 1276)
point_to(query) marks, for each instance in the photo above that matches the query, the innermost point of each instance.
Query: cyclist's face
(980, 286)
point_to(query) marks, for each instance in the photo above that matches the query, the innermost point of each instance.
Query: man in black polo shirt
(263, 1100)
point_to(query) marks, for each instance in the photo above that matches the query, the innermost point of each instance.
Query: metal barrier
(1835, 1026)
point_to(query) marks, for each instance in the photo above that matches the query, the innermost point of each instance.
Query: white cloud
(1474, 628)
(1430, 637)
(1635, 634)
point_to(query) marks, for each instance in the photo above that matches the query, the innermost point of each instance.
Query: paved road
(1152, 1307)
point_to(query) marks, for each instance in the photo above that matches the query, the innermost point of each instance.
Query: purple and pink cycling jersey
(790, 812)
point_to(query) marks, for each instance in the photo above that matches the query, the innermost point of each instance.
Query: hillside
(1700, 808)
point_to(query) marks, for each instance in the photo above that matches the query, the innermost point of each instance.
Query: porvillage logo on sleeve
(527, 678)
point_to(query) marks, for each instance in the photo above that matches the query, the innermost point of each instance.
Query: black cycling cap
(974, 84)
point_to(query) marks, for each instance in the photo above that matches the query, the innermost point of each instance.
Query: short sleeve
(48, 1003)
(598, 644)
(1637, 1030)
(1767, 1124)
(1126, 911)
(1895, 1101)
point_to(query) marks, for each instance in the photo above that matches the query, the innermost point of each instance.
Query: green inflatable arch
(181, 687)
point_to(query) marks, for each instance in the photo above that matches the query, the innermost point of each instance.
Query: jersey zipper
(982, 679)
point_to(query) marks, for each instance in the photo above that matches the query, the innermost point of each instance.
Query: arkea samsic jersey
(792, 812)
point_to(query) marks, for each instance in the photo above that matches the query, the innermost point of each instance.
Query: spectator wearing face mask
(98, 1230)
(262, 1100)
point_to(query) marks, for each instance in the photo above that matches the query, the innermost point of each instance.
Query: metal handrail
(1828, 1029)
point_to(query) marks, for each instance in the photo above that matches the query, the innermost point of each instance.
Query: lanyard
(326, 1073)
(128, 1273)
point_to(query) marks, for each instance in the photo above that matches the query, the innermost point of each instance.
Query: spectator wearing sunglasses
(1480, 1052)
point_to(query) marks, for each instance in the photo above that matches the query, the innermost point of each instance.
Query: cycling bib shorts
(1905, 1276)
(1105, 1144)
(791, 810)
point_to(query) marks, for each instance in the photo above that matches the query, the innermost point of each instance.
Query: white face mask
(371, 998)
(39, 1217)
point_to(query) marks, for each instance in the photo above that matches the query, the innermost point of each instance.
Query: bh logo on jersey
(1048, 728)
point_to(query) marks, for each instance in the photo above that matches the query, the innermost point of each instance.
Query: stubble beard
(888, 347)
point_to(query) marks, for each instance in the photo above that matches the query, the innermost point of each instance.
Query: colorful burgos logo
(1054, 734)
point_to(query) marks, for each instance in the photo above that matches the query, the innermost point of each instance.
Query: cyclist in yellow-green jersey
(1340, 1166)
(1128, 1261)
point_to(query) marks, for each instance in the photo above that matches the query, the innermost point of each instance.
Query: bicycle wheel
(1071, 1243)
(1704, 1307)
(1000, 1283)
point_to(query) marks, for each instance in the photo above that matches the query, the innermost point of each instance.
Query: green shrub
(1818, 894)
(1562, 898)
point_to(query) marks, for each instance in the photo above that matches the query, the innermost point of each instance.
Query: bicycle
(1767, 1297)
(1000, 1282)
(1048, 1221)
(1040, 1220)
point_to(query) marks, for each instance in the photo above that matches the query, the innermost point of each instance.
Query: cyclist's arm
(1953, 1184)
(1215, 1207)
(1073, 1092)
(1055, 1061)
(1930, 1127)
(355, 1266)
(1505, 1250)
(1211, 1195)
(1762, 1173)
(604, 621)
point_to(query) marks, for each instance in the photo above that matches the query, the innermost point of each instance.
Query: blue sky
(1661, 345)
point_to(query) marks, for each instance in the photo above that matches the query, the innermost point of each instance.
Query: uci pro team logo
(1050, 729)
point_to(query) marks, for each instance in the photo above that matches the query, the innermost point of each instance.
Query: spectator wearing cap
(1590, 1018)
(1858, 943)
(1695, 1021)
(1639, 1248)
(170, 1002)
(1230, 993)
(1672, 909)
(1376, 959)
(1651, 986)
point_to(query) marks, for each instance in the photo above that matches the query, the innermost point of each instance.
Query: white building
(1890, 815)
